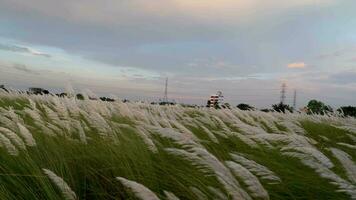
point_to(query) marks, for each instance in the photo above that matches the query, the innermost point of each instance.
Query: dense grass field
(63, 148)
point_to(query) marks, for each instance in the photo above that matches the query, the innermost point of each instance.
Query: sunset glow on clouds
(297, 65)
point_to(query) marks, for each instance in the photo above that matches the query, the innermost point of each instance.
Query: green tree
(244, 106)
(80, 97)
(281, 107)
(318, 107)
(348, 111)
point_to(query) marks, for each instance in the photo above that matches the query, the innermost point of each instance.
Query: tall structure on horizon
(295, 100)
(283, 93)
(216, 100)
(165, 98)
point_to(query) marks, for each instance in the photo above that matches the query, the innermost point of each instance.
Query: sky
(126, 48)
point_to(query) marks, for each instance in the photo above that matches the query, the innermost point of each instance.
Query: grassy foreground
(62, 148)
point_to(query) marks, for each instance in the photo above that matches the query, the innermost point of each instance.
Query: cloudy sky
(245, 48)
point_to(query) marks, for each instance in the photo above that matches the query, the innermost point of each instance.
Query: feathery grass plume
(208, 163)
(313, 152)
(350, 128)
(78, 127)
(246, 140)
(60, 107)
(13, 137)
(13, 116)
(251, 181)
(199, 194)
(146, 139)
(347, 163)
(33, 114)
(138, 189)
(268, 124)
(11, 149)
(181, 127)
(54, 129)
(324, 138)
(125, 111)
(347, 145)
(177, 137)
(32, 103)
(217, 193)
(243, 115)
(53, 116)
(324, 172)
(353, 138)
(6, 122)
(170, 195)
(293, 127)
(209, 133)
(26, 135)
(257, 169)
(99, 123)
(247, 129)
(279, 140)
(66, 191)
(222, 134)
(222, 124)
(71, 107)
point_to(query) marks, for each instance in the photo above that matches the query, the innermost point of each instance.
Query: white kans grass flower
(26, 135)
(347, 163)
(170, 195)
(210, 134)
(312, 152)
(217, 193)
(11, 149)
(15, 139)
(257, 169)
(78, 128)
(66, 191)
(208, 163)
(324, 172)
(138, 189)
(251, 181)
(199, 194)
(34, 114)
(6, 122)
(347, 145)
(146, 139)
(73, 118)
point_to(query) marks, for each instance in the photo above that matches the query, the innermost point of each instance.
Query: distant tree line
(313, 106)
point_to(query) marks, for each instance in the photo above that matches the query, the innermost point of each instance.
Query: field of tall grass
(63, 148)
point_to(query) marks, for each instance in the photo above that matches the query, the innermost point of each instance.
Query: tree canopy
(347, 111)
(244, 106)
(318, 107)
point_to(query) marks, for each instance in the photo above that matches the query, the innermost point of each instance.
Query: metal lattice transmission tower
(283, 93)
(295, 100)
(165, 99)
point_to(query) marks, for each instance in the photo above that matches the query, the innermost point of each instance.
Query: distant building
(216, 100)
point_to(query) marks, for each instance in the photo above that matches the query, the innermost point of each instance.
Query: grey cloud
(345, 77)
(24, 68)
(151, 34)
(20, 49)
